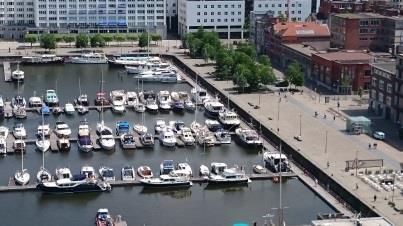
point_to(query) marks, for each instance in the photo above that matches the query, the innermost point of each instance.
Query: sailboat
(105, 133)
(41, 143)
(140, 128)
(21, 177)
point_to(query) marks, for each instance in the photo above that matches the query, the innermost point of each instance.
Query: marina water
(195, 206)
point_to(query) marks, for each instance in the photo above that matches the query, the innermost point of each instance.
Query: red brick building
(328, 7)
(293, 32)
(342, 72)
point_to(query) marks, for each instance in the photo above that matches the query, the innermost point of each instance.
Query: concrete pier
(7, 71)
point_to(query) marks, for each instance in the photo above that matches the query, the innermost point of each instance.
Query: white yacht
(18, 102)
(167, 138)
(3, 146)
(19, 131)
(186, 136)
(19, 146)
(150, 100)
(212, 125)
(223, 136)
(63, 173)
(167, 181)
(118, 99)
(213, 108)
(128, 173)
(88, 171)
(62, 129)
(204, 171)
(42, 144)
(35, 102)
(69, 109)
(164, 100)
(140, 129)
(276, 162)
(84, 138)
(136, 67)
(4, 132)
(140, 107)
(148, 76)
(118, 107)
(185, 167)
(43, 175)
(63, 144)
(107, 174)
(189, 105)
(127, 141)
(160, 125)
(43, 59)
(131, 99)
(221, 175)
(22, 177)
(229, 119)
(199, 95)
(195, 127)
(106, 140)
(90, 58)
(248, 137)
(18, 75)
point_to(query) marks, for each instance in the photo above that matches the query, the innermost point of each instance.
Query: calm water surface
(198, 205)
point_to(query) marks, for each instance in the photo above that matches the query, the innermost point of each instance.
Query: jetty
(11, 187)
(7, 71)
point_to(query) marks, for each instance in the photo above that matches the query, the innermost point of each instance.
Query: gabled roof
(301, 29)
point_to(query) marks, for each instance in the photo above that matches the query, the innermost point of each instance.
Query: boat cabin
(218, 168)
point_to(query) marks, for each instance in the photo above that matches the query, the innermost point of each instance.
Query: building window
(198, 20)
(279, 5)
(205, 6)
(198, 13)
(232, 20)
(212, 20)
(205, 20)
(380, 97)
(259, 6)
(205, 13)
(389, 88)
(381, 84)
(218, 13)
(373, 82)
(218, 20)
(212, 6)
(198, 6)
(212, 13)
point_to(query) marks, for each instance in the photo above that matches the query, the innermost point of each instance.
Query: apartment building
(398, 88)
(15, 16)
(299, 10)
(226, 17)
(99, 16)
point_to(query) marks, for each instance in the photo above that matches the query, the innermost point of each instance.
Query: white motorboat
(82, 99)
(147, 140)
(213, 125)
(149, 99)
(276, 162)
(118, 107)
(43, 130)
(160, 125)
(57, 110)
(20, 112)
(145, 172)
(167, 138)
(223, 136)
(205, 138)
(43, 175)
(35, 102)
(140, 108)
(18, 75)
(63, 173)
(81, 109)
(131, 99)
(103, 218)
(69, 109)
(88, 172)
(3, 146)
(22, 177)
(90, 58)
(118, 99)
(107, 174)
(227, 176)
(128, 173)
(101, 127)
(63, 144)
(248, 137)
(127, 141)
(51, 98)
(184, 166)
(213, 108)
(4, 132)
(42, 144)
(167, 181)
(19, 146)
(164, 100)
(140, 129)
(83, 129)
(148, 76)
(18, 102)
(43, 59)
(199, 95)
(84, 143)
(62, 129)
(181, 95)
(106, 140)
(136, 68)
(186, 136)
(127, 60)
(229, 119)
(19, 131)
(168, 76)
(204, 171)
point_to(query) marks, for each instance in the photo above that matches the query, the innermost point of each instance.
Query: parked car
(379, 135)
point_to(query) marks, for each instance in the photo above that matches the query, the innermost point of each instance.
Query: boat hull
(166, 185)
(82, 188)
(228, 182)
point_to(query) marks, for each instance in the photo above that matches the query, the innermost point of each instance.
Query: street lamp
(300, 125)
(326, 142)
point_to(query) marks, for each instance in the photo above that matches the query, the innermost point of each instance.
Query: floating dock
(7, 71)
(11, 187)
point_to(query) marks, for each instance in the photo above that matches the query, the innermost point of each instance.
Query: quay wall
(342, 194)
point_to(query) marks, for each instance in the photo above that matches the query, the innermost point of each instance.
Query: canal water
(199, 205)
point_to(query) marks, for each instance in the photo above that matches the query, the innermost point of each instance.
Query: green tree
(107, 38)
(266, 74)
(132, 38)
(208, 52)
(294, 74)
(119, 38)
(282, 18)
(58, 39)
(30, 39)
(248, 49)
(68, 39)
(143, 40)
(264, 59)
(97, 41)
(155, 38)
(81, 41)
(48, 41)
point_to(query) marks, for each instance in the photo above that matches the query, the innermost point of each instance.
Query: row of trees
(48, 41)
(240, 64)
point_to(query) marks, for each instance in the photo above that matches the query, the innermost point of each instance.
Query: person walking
(369, 146)
(374, 198)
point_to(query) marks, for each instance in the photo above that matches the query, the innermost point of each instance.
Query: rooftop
(374, 221)
(346, 56)
(301, 29)
(359, 15)
(386, 66)
(309, 48)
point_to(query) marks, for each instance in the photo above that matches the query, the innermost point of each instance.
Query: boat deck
(7, 71)
(11, 187)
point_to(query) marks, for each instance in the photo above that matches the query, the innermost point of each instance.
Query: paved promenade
(340, 146)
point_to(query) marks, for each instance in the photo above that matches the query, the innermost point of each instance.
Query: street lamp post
(326, 142)
(300, 125)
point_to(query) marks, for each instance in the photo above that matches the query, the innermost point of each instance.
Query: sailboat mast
(280, 209)
(22, 159)
(43, 142)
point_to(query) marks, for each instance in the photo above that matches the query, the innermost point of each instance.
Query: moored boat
(223, 136)
(213, 108)
(221, 175)
(145, 172)
(147, 140)
(43, 59)
(62, 129)
(107, 173)
(103, 218)
(276, 162)
(69, 109)
(63, 144)
(51, 98)
(128, 173)
(34, 102)
(167, 138)
(90, 58)
(248, 137)
(166, 167)
(18, 75)
(229, 119)
(19, 131)
(127, 141)
(167, 181)
(75, 185)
